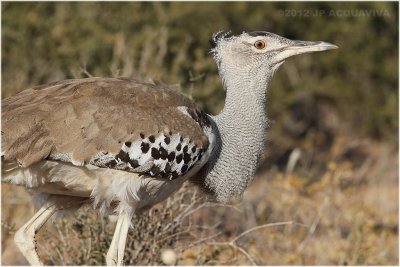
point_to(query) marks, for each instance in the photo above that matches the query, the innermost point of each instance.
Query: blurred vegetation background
(340, 108)
(44, 42)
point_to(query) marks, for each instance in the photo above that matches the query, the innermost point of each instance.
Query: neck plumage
(240, 129)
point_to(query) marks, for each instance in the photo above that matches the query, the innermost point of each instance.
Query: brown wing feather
(85, 116)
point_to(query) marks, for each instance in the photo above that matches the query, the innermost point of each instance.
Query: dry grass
(346, 217)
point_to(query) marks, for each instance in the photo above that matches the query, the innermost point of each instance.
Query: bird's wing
(108, 122)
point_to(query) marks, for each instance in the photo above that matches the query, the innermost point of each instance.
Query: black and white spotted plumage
(163, 156)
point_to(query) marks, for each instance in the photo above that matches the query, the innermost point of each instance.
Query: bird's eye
(259, 44)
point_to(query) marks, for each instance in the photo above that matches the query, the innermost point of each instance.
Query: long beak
(302, 47)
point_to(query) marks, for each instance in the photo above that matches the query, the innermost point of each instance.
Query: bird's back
(113, 123)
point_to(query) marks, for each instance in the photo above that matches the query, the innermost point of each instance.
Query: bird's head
(259, 50)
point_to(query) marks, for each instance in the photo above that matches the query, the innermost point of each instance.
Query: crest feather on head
(216, 37)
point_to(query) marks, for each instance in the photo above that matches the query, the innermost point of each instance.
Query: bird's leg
(115, 254)
(111, 258)
(24, 238)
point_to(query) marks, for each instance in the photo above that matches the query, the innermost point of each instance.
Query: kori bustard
(125, 145)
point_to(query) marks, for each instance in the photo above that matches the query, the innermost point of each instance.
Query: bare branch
(260, 227)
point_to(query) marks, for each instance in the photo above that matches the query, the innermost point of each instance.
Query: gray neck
(241, 128)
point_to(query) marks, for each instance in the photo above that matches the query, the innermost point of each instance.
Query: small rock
(168, 257)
